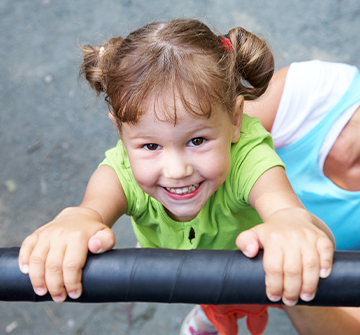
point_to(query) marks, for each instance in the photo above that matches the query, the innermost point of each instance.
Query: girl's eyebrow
(140, 135)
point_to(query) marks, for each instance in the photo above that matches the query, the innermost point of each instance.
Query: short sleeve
(251, 156)
(136, 198)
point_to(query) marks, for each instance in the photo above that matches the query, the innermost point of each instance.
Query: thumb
(248, 242)
(102, 241)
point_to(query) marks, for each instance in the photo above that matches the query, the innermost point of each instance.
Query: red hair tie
(226, 42)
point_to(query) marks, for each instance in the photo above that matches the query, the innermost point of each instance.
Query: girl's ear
(237, 118)
(113, 120)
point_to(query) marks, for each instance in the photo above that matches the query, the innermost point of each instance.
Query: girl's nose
(177, 167)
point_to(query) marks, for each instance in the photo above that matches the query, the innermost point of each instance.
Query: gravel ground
(53, 134)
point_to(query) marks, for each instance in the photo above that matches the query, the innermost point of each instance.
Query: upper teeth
(184, 189)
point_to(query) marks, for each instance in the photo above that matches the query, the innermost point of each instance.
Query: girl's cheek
(220, 166)
(144, 175)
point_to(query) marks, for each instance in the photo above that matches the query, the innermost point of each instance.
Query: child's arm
(298, 246)
(55, 254)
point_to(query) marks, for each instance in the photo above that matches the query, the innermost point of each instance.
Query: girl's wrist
(83, 211)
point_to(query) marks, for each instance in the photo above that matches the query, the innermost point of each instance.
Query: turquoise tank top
(338, 208)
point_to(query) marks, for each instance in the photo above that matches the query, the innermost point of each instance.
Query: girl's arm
(265, 107)
(55, 254)
(298, 246)
(324, 320)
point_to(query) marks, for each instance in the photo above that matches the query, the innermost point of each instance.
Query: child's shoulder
(251, 156)
(254, 140)
(252, 130)
(251, 124)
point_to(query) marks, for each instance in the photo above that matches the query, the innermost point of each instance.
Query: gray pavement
(53, 134)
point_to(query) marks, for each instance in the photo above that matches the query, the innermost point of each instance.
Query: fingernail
(307, 296)
(250, 249)
(74, 294)
(324, 273)
(275, 298)
(290, 302)
(59, 298)
(96, 245)
(24, 268)
(40, 291)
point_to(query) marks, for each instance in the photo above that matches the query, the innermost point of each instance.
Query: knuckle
(77, 233)
(291, 271)
(311, 263)
(28, 243)
(30, 237)
(36, 260)
(53, 267)
(274, 236)
(273, 271)
(71, 266)
(325, 245)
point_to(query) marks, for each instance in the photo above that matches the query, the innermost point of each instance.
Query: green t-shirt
(226, 214)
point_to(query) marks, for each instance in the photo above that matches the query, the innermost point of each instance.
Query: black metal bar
(178, 276)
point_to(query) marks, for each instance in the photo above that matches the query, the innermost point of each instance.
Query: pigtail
(90, 68)
(96, 63)
(253, 65)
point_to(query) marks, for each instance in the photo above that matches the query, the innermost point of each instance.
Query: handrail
(179, 276)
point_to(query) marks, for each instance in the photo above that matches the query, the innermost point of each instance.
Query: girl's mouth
(183, 190)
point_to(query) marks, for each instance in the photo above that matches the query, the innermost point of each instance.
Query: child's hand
(296, 254)
(55, 254)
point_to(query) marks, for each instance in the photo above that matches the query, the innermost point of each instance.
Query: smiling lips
(183, 190)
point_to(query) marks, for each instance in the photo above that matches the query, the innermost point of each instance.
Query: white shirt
(311, 90)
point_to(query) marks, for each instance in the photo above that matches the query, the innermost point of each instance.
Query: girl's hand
(296, 253)
(55, 254)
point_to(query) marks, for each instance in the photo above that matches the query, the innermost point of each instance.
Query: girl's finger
(310, 276)
(326, 253)
(102, 241)
(37, 263)
(292, 267)
(25, 252)
(54, 273)
(273, 267)
(74, 261)
(248, 243)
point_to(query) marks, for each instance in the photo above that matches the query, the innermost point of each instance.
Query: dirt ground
(53, 134)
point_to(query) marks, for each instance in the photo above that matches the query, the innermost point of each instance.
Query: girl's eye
(196, 141)
(152, 146)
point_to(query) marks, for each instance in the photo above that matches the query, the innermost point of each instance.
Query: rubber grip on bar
(179, 276)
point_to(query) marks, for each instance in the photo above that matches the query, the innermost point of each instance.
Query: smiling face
(182, 165)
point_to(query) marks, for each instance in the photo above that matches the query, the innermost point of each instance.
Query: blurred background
(53, 133)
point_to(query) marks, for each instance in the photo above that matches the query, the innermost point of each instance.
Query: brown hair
(182, 59)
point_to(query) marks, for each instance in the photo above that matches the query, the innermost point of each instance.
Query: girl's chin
(181, 217)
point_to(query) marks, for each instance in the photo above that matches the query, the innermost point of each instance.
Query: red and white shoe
(189, 326)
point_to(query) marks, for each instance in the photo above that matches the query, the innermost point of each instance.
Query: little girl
(190, 169)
